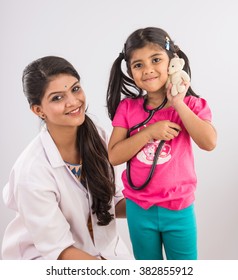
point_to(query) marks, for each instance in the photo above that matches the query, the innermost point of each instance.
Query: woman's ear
(36, 109)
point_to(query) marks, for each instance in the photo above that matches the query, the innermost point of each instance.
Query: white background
(90, 34)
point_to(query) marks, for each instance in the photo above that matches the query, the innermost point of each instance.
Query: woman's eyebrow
(61, 91)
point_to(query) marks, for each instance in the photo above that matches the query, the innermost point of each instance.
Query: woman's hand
(73, 253)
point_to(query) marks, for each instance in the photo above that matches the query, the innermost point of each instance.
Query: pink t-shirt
(174, 181)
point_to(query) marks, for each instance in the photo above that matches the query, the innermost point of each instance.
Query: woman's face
(63, 104)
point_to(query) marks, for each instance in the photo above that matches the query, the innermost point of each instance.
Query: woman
(62, 187)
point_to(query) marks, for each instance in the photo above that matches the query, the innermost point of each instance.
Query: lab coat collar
(54, 156)
(50, 148)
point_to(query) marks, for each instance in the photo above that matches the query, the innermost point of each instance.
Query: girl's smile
(150, 79)
(149, 68)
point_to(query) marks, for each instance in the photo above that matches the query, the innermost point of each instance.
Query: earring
(42, 116)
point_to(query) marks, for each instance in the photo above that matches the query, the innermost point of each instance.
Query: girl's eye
(56, 98)
(156, 60)
(137, 65)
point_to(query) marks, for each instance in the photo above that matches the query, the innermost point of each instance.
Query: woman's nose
(71, 100)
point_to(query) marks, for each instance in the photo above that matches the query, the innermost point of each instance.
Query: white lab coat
(52, 209)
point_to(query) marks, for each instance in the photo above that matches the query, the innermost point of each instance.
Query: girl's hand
(163, 130)
(174, 100)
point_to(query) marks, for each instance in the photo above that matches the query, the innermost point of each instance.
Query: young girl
(152, 131)
(62, 187)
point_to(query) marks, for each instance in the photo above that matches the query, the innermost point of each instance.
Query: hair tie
(176, 48)
(122, 55)
(167, 43)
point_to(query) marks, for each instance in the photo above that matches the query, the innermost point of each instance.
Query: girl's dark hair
(120, 83)
(96, 169)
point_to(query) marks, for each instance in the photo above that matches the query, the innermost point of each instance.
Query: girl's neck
(66, 141)
(155, 99)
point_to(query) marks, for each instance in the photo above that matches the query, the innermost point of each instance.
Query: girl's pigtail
(114, 87)
(186, 68)
(181, 54)
(119, 84)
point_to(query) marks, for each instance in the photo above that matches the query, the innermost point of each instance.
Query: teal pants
(158, 228)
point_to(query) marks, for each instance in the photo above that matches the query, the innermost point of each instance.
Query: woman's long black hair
(96, 169)
(121, 84)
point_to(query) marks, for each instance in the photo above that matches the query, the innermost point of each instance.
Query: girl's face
(63, 104)
(149, 68)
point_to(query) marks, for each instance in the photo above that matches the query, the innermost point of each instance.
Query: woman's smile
(75, 112)
(63, 103)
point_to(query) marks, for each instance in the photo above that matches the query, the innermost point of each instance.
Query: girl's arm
(122, 149)
(201, 131)
(72, 253)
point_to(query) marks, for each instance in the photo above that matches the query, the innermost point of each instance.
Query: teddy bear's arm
(185, 76)
(168, 82)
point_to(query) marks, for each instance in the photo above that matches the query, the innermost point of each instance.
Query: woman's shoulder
(31, 150)
(32, 157)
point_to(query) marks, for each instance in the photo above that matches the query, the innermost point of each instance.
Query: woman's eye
(76, 89)
(56, 98)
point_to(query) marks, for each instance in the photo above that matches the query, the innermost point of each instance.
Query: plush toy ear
(182, 62)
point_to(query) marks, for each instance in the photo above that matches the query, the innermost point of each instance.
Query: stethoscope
(158, 150)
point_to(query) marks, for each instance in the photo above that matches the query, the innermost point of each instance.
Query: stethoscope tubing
(158, 150)
(151, 114)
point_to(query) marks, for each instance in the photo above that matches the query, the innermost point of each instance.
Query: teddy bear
(177, 76)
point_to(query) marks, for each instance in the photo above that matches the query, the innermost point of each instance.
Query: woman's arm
(72, 253)
(120, 209)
